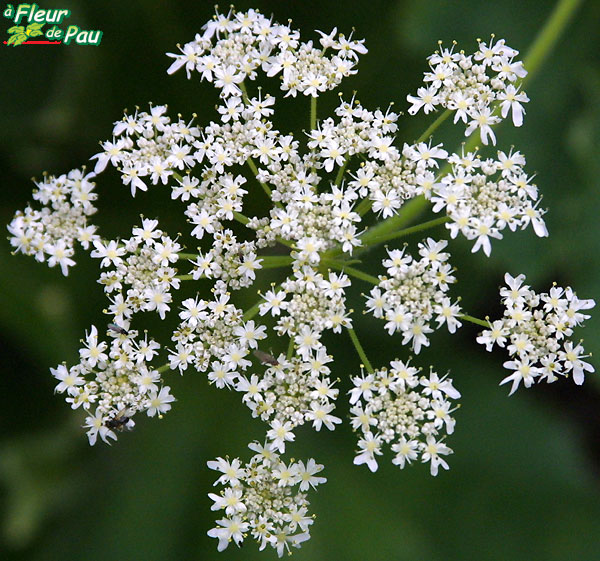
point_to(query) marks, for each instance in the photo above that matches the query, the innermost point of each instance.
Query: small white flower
(160, 402)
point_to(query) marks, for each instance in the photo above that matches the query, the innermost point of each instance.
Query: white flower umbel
(536, 331)
(50, 234)
(320, 199)
(142, 277)
(265, 499)
(315, 303)
(214, 331)
(484, 197)
(470, 84)
(235, 47)
(115, 381)
(290, 393)
(414, 294)
(410, 412)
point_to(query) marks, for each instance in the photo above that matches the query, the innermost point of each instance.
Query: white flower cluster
(318, 189)
(117, 379)
(316, 304)
(229, 260)
(397, 406)
(535, 331)
(414, 293)
(318, 221)
(148, 147)
(483, 197)
(290, 393)
(245, 42)
(214, 330)
(142, 262)
(50, 233)
(472, 85)
(265, 498)
(400, 177)
(386, 177)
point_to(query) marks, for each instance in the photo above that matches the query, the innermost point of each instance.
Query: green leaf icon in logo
(19, 34)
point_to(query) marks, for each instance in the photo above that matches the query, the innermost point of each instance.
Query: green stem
(340, 173)
(290, 350)
(254, 169)
(549, 35)
(391, 228)
(364, 206)
(187, 255)
(351, 271)
(313, 113)
(431, 129)
(474, 320)
(287, 243)
(251, 312)
(185, 277)
(244, 92)
(360, 351)
(241, 218)
(275, 261)
(409, 211)
(369, 240)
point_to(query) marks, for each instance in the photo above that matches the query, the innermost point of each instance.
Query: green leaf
(16, 29)
(17, 39)
(35, 33)
(34, 26)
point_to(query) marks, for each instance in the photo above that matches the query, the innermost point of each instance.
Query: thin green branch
(287, 243)
(369, 240)
(549, 35)
(433, 127)
(474, 320)
(364, 206)
(241, 218)
(351, 271)
(360, 351)
(340, 173)
(187, 255)
(244, 92)
(313, 113)
(254, 170)
(251, 312)
(275, 261)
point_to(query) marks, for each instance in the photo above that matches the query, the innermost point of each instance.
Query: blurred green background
(525, 477)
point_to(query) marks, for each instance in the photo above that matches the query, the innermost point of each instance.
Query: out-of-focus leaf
(33, 475)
